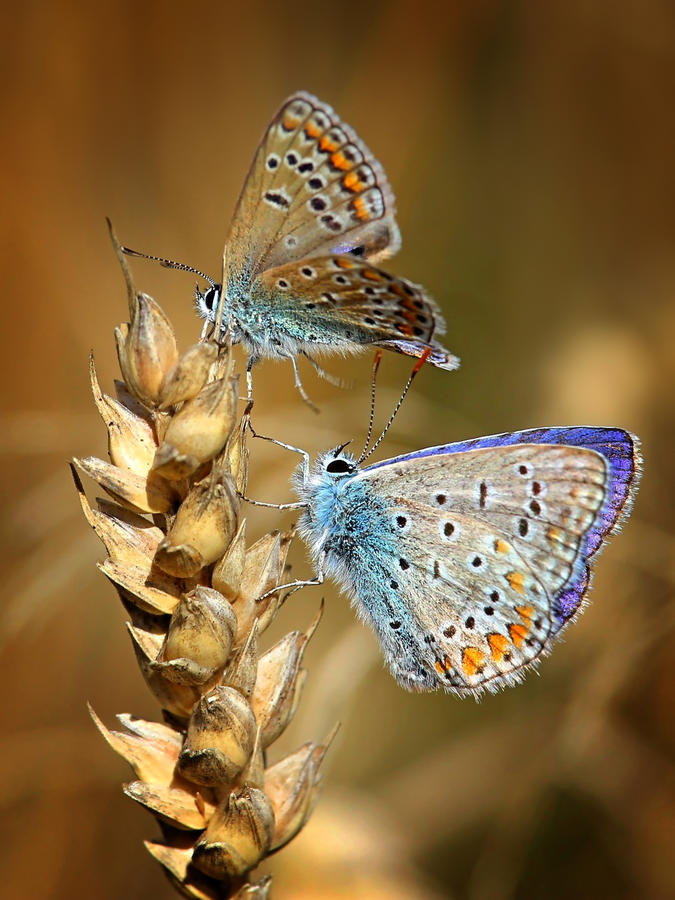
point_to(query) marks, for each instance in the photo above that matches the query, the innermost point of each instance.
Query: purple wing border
(621, 450)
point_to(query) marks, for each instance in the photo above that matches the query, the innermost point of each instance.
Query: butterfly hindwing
(339, 297)
(485, 547)
(313, 188)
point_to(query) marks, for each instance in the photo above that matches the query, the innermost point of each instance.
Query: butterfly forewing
(313, 188)
(488, 539)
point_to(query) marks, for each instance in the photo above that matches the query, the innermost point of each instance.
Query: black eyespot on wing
(331, 223)
(277, 199)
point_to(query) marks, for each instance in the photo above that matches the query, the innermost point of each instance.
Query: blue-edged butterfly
(468, 560)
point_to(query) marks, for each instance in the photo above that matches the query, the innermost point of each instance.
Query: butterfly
(315, 216)
(470, 559)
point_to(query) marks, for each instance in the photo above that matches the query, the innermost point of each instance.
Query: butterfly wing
(337, 301)
(492, 541)
(313, 188)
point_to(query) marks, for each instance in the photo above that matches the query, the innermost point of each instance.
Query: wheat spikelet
(178, 557)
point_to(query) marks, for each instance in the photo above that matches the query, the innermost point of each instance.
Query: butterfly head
(206, 302)
(329, 469)
(336, 464)
(320, 489)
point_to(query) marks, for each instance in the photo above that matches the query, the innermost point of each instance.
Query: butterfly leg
(264, 437)
(294, 586)
(250, 362)
(271, 505)
(300, 387)
(303, 453)
(327, 376)
(249, 379)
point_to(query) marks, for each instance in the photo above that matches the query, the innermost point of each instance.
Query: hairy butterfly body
(468, 560)
(315, 216)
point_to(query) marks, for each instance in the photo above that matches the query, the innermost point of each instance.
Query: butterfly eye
(339, 467)
(211, 298)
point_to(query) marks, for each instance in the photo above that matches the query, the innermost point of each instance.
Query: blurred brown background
(530, 146)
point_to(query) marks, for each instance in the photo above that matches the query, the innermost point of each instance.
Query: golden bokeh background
(530, 146)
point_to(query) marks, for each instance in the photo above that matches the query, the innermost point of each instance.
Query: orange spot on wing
(502, 546)
(443, 666)
(554, 534)
(343, 263)
(473, 660)
(518, 634)
(371, 275)
(352, 182)
(525, 613)
(327, 144)
(312, 130)
(338, 161)
(407, 301)
(498, 646)
(290, 122)
(360, 209)
(516, 580)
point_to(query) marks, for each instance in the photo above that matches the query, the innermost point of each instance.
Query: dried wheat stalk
(178, 557)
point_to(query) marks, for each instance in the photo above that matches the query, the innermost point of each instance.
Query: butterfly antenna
(418, 365)
(376, 366)
(168, 263)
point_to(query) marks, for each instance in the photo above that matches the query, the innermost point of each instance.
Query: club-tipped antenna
(169, 264)
(376, 366)
(418, 365)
